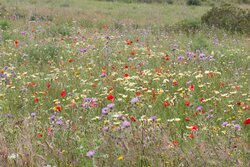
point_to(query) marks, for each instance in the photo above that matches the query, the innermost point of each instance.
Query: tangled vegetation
(94, 83)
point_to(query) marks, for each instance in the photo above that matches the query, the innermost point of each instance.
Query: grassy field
(92, 83)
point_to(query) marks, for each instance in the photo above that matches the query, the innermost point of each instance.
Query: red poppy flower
(125, 75)
(40, 135)
(191, 88)
(133, 52)
(70, 60)
(187, 118)
(239, 103)
(129, 42)
(175, 142)
(222, 84)
(194, 128)
(247, 121)
(58, 108)
(110, 97)
(36, 100)
(63, 93)
(175, 83)
(245, 107)
(132, 118)
(187, 102)
(202, 99)
(166, 104)
(138, 93)
(191, 136)
(16, 43)
(211, 74)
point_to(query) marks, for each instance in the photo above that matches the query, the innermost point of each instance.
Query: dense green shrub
(188, 25)
(4, 24)
(228, 17)
(193, 2)
(144, 1)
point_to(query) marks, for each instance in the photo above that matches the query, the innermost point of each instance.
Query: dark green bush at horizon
(188, 2)
(228, 17)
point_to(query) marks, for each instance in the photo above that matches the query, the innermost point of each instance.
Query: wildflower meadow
(94, 83)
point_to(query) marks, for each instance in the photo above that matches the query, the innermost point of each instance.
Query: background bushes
(193, 2)
(228, 17)
(4, 24)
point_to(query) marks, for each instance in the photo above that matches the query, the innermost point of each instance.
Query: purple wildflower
(23, 32)
(125, 124)
(90, 153)
(52, 118)
(237, 127)
(130, 59)
(24, 89)
(59, 122)
(153, 118)
(224, 124)
(180, 58)
(8, 115)
(210, 115)
(105, 110)
(111, 106)
(199, 108)
(134, 100)
(103, 75)
(33, 114)
(83, 50)
(106, 128)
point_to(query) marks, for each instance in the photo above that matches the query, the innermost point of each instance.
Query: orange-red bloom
(247, 121)
(166, 104)
(132, 118)
(63, 93)
(187, 102)
(36, 100)
(110, 97)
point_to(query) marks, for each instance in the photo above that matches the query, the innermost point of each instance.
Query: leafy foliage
(193, 2)
(4, 24)
(228, 17)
